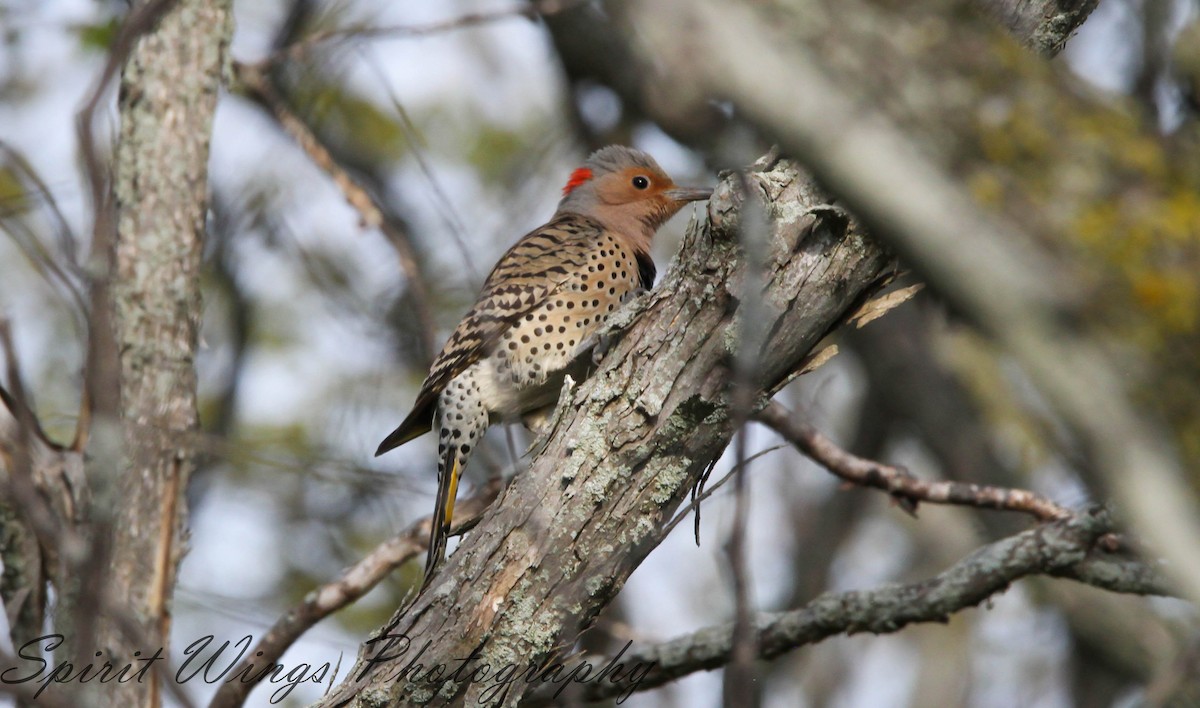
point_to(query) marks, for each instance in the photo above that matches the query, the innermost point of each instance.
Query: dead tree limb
(1062, 548)
(899, 482)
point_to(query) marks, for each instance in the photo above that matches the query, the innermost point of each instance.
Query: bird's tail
(448, 470)
(416, 424)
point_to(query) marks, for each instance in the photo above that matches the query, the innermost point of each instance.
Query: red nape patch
(578, 177)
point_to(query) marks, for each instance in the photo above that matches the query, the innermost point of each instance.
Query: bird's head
(627, 191)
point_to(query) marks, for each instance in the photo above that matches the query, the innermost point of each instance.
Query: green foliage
(356, 128)
(494, 150)
(13, 197)
(98, 36)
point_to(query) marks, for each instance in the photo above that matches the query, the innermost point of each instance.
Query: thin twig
(740, 685)
(707, 492)
(257, 85)
(446, 208)
(530, 11)
(19, 437)
(48, 500)
(68, 272)
(353, 584)
(897, 481)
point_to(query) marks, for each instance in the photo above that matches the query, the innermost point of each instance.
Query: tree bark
(1043, 25)
(628, 445)
(168, 96)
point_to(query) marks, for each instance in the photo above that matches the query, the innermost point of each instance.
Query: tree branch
(169, 87)
(1062, 548)
(899, 482)
(530, 11)
(1043, 25)
(255, 84)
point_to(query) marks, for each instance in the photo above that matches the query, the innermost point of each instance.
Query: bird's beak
(688, 194)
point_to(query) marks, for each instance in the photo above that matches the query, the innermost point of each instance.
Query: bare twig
(445, 207)
(257, 86)
(42, 477)
(353, 584)
(905, 488)
(739, 685)
(1059, 548)
(701, 495)
(65, 271)
(530, 11)
(27, 528)
(23, 421)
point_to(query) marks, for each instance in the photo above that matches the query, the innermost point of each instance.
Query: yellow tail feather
(450, 496)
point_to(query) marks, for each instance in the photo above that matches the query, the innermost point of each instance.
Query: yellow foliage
(12, 193)
(986, 188)
(354, 124)
(1126, 210)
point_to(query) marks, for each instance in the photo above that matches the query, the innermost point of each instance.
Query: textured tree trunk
(628, 445)
(168, 96)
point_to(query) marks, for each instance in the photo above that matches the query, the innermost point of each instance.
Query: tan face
(633, 185)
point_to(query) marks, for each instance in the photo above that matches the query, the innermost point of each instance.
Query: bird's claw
(602, 344)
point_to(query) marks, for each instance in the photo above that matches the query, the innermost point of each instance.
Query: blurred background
(313, 349)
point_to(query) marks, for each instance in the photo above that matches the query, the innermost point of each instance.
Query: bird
(537, 311)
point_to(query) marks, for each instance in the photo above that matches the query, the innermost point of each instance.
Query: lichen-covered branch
(1062, 548)
(168, 96)
(1118, 574)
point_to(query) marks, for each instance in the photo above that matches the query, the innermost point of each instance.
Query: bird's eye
(640, 182)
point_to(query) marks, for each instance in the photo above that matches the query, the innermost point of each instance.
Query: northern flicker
(543, 300)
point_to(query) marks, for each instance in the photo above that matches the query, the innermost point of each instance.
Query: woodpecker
(545, 297)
